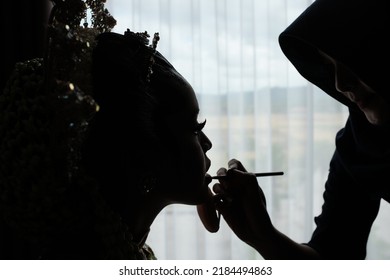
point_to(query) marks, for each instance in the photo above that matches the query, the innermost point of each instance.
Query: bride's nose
(205, 142)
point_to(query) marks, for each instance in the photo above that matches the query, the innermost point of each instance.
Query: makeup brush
(264, 174)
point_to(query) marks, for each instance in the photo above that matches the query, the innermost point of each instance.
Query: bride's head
(146, 140)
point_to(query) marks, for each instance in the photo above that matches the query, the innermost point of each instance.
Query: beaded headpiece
(144, 38)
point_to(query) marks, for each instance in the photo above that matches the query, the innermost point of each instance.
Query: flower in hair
(143, 38)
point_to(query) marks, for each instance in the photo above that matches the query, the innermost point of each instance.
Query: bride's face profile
(186, 162)
(166, 147)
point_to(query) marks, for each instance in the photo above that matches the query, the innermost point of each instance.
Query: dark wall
(23, 25)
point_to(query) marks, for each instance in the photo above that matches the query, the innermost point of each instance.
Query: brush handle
(264, 174)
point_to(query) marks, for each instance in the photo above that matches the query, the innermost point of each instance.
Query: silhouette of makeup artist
(92, 152)
(339, 46)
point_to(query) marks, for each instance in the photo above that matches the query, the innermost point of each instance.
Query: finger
(221, 196)
(237, 190)
(232, 215)
(217, 188)
(222, 171)
(236, 164)
(244, 185)
(208, 215)
(236, 179)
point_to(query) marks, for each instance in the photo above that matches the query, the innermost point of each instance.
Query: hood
(351, 31)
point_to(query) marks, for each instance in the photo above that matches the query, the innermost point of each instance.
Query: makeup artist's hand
(207, 211)
(243, 204)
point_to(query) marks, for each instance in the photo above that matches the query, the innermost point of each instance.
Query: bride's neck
(139, 216)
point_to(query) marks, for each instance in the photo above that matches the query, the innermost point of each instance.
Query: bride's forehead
(180, 98)
(174, 82)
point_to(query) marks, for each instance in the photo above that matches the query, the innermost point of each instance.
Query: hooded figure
(351, 32)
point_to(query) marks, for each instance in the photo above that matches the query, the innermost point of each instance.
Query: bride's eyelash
(199, 126)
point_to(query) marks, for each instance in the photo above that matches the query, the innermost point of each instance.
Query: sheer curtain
(258, 109)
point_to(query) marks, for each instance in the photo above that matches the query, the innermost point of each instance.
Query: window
(258, 109)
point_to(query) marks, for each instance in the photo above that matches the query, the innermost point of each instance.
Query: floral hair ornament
(143, 38)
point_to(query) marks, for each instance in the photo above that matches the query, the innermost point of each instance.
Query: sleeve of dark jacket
(351, 204)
